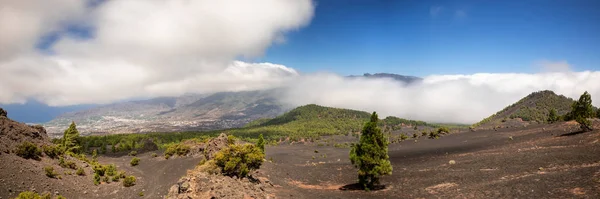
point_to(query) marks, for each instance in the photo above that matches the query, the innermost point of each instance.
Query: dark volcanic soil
(536, 163)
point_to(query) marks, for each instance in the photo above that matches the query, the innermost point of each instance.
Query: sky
(476, 57)
(422, 38)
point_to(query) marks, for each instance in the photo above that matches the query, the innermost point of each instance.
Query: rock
(215, 145)
(184, 187)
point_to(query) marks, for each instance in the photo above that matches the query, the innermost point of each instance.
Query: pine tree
(582, 110)
(70, 139)
(552, 116)
(370, 155)
(261, 143)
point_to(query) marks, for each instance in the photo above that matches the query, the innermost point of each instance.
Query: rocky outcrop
(13, 133)
(215, 145)
(204, 185)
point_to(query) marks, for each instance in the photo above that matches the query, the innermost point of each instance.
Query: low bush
(154, 155)
(110, 169)
(443, 130)
(34, 195)
(28, 150)
(99, 169)
(80, 171)
(134, 161)
(129, 181)
(239, 160)
(403, 137)
(50, 172)
(52, 151)
(116, 178)
(133, 153)
(67, 164)
(106, 179)
(179, 149)
(97, 179)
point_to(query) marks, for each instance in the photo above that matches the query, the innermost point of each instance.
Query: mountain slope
(535, 107)
(167, 114)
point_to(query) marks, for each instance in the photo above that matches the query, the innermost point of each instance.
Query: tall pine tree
(261, 143)
(70, 139)
(582, 110)
(370, 155)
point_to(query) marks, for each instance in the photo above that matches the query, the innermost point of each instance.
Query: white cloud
(460, 14)
(142, 48)
(434, 11)
(440, 98)
(553, 66)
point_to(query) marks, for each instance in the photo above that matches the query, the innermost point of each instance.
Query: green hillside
(309, 121)
(532, 108)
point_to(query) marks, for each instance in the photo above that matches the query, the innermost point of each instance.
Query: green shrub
(443, 130)
(141, 194)
(99, 169)
(415, 135)
(231, 139)
(424, 133)
(68, 164)
(133, 153)
(167, 156)
(403, 137)
(134, 161)
(179, 149)
(52, 151)
(129, 181)
(50, 172)
(94, 154)
(154, 155)
(106, 179)
(80, 171)
(261, 143)
(110, 169)
(116, 178)
(28, 150)
(239, 160)
(60, 197)
(97, 179)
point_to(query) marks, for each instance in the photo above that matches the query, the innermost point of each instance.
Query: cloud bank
(439, 98)
(151, 48)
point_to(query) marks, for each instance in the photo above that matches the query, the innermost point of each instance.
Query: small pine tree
(70, 137)
(370, 155)
(552, 116)
(582, 110)
(261, 143)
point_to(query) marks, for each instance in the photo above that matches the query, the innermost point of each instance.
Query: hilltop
(534, 108)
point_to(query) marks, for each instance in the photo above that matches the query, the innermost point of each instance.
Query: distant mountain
(37, 112)
(535, 107)
(191, 112)
(401, 78)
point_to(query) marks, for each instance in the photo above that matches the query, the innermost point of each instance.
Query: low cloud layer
(151, 48)
(441, 98)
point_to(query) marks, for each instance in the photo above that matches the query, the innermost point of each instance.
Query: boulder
(215, 145)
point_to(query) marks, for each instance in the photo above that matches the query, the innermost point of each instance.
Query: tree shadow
(572, 133)
(356, 187)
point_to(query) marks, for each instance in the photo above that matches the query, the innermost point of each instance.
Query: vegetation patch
(239, 160)
(28, 150)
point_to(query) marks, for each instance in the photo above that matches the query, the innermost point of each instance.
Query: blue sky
(443, 37)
